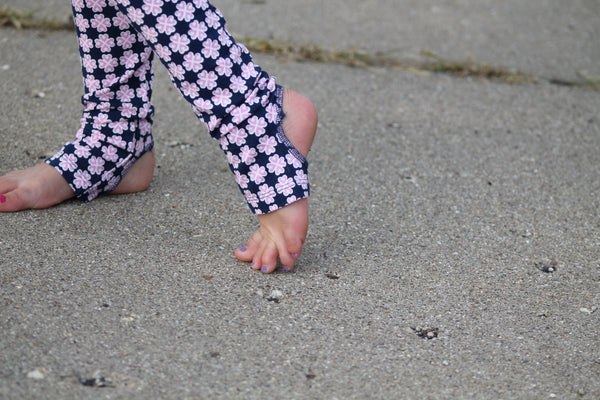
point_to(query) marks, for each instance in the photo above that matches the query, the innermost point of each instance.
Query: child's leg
(243, 109)
(115, 131)
(114, 137)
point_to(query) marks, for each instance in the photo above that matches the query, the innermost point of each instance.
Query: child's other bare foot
(282, 232)
(42, 186)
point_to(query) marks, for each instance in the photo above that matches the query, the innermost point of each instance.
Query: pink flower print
(237, 136)
(211, 48)
(293, 161)
(125, 94)
(213, 122)
(95, 138)
(135, 15)
(96, 5)
(92, 84)
(241, 179)
(202, 106)
(266, 194)
(120, 21)
(249, 71)
(88, 63)
(109, 80)
(81, 23)
(292, 199)
(85, 43)
(117, 141)
(82, 151)
(185, 12)
(224, 66)
(179, 43)
(225, 37)
(212, 19)
(276, 164)
(301, 179)
(101, 23)
(248, 155)
(68, 162)
(272, 113)
(285, 185)
(126, 40)
(96, 165)
(252, 98)
(149, 33)
(267, 145)
(236, 54)
(207, 80)
(190, 89)
(153, 7)
(176, 71)
(163, 52)
(197, 30)
(233, 160)
(129, 59)
(118, 126)
(166, 24)
(108, 63)
(256, 126)
(107, 175)
(221, 97)
(109, 153)
(142, 92)
(127, 110)
(82, 180)
(203, 4)
(104, 42)
(193, 61)
(237, 85)
(240, 113)
(105, 95)
(77, 5)
(257, 174)
(251, 198)
(99, 121)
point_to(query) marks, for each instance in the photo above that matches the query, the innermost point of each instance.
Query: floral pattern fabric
(238, 101)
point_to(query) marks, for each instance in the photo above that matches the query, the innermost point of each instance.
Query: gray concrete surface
(434, 200)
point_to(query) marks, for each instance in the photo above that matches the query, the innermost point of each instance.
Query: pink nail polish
(2, 198)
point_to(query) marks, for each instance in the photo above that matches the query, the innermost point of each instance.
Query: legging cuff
(94, 165)
(269, 170)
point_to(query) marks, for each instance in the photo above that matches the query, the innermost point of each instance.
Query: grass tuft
(433, 63)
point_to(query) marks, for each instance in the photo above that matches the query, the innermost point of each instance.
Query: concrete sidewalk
(437, 203)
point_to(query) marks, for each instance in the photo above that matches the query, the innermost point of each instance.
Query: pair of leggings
(238, 101)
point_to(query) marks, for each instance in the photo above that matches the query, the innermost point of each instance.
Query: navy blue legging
(238, 101)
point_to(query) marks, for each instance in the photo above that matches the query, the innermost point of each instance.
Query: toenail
(294, 255)
(242, 249)
(252, 263)
(2, 198)
(285, 268)
(264, 268)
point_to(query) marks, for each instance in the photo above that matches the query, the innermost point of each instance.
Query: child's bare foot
(42, 186)
(282, 232)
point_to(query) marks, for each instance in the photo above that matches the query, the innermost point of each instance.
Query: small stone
(275, 296)
(35, 374)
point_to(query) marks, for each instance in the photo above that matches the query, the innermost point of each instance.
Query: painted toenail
(2, 198)
(264, 268)
(252, 263)
(285, 268)
(242, 249)
(294, 255)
